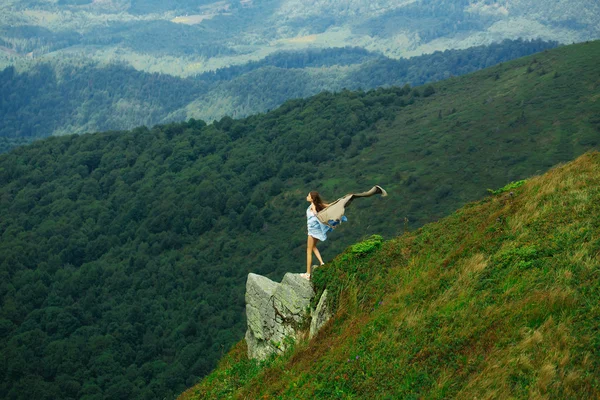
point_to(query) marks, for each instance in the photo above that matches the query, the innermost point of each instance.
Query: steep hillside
(58, 98)
(123, 255)
(498, 300)
(266, 88)
(63, 99)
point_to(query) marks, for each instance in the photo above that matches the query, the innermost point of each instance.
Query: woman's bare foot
(305, 276)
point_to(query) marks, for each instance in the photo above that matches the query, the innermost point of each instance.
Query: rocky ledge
(278, 312)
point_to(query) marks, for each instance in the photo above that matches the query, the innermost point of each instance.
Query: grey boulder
(276, 313)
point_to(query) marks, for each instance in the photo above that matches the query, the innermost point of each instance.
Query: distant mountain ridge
(426, 25)
(62, 99)
(185, 38)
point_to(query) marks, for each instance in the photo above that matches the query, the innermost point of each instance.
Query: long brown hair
(317, 201)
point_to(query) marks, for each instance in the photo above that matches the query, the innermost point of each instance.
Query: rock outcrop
(276, 312)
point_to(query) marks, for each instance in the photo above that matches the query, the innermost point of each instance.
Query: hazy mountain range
(187, 37)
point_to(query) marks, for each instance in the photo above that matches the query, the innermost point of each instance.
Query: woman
(317, 231)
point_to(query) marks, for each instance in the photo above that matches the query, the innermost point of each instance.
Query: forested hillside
(64, 99)
(264, 88)
(123, 255)
(57, 99)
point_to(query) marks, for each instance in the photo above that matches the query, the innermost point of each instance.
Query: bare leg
(310, 243)
(317, 253)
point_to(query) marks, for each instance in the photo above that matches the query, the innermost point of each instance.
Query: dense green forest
(8, 143)
(54, 100)
(373, 70)
(309, 58)
(123, 255)
(63, 99)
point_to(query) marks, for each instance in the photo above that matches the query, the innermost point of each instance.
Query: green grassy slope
(498, 300)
